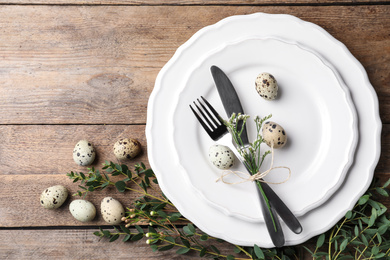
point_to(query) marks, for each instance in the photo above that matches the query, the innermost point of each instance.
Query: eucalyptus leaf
(182, 250)
(320, 240)
(121, 186)
(166, 248)
(137, 237)
(343, 245)
(259, 253)
(126, 238)
(114, 237)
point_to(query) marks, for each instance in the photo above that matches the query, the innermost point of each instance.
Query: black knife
(232, 104)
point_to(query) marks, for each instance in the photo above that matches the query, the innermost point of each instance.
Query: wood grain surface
(72, 70)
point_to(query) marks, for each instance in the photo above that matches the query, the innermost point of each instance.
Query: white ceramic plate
(160, 117)
(313, 106)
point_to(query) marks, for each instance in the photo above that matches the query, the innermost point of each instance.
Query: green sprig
(253, 157)
(364, 232)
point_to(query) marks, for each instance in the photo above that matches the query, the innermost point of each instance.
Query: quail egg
(53, 197)
(266, 86)
(84, 153)
(221, 156)
(274, 133)
(112, 210)
(82, 210)
(126, 148)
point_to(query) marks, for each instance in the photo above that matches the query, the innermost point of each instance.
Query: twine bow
(257, 176)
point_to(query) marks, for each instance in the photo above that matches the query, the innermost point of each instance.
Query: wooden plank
(20, 205)
(20, 201)
(83, 65)
(48, 149)
(193, 2)
(82, 244)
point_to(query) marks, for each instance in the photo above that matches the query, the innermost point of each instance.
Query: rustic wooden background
(72, 70)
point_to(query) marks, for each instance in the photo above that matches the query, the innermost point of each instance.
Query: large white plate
(160, 140)
(314, 107)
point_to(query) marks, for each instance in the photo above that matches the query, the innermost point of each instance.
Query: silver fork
(213, 125)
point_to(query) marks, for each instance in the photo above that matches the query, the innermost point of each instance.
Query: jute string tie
(257, 176)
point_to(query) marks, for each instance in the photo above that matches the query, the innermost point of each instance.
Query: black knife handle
(273, 224)
(281, 208)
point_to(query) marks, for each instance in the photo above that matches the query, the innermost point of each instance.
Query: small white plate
(313, 106)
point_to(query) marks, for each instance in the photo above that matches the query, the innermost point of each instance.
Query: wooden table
(84, 69)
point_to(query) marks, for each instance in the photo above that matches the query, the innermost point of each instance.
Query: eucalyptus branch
(364, 232)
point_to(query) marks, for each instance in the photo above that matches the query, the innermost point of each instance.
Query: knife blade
(232, 104)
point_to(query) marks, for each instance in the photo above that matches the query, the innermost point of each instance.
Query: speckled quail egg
(53, 197)
(126, 148)
(112, 210)
(84, 153)
(221, 156)
(274, 133)
(82, 210)
(266, 86)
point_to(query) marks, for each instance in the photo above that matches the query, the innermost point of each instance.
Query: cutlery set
(213, 124)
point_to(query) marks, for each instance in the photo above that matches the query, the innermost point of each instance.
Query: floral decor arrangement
(363, 233)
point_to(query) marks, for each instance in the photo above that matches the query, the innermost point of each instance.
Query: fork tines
(209, 118)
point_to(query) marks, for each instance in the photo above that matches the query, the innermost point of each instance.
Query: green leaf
(187, 231)
(166, 248)
(215, 249)
(382, 191)
(373, 217)
(185, 242)
(137, 237)
(182, 250)
(170, 239)
(129, 174)
(387, 183)
(375, 250)
(204, 237)
(125, 229)
(202, 252)
(230, 257)
(140, 230)
(364, 240)
(320, 240)
(159, 206)
(343, 245)
(162, 214)
(259, 253)
(120, 185)
(356, 230)
(236, 250)
(114, 237)
(106, 233)
(174, 216)
(126, 238)
(381, 255)
(348, 215)
(382, 229)
(98, 233)
(154, 247)
(191, 227)
(363, 199)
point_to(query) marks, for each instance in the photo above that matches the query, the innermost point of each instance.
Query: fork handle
(271, 221)
(283, 211)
